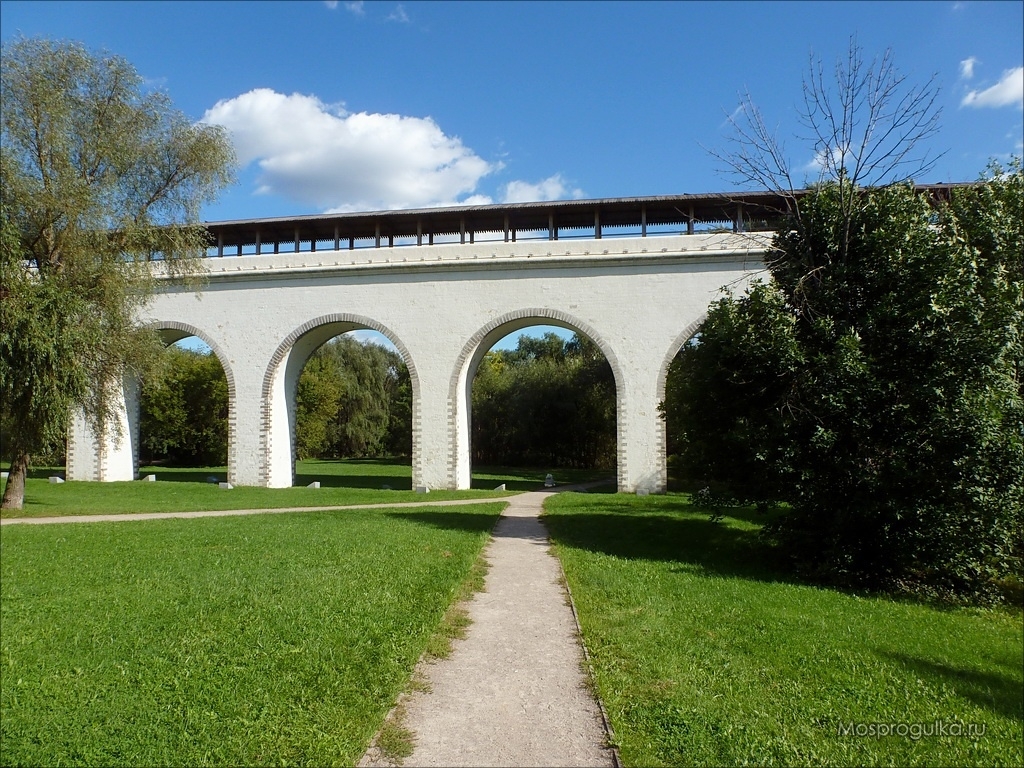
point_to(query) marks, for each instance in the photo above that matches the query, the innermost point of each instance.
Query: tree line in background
(548, 403)
(184, 411)
(353, 400)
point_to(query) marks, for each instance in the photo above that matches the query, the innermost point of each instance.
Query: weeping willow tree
(99, 177)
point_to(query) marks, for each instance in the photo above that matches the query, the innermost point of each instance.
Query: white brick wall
(443, 306)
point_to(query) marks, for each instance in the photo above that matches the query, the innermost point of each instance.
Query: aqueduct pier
(635, 275)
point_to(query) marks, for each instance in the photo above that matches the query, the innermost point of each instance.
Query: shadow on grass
(372, 482)
(368, 474)
(609, 487)
(1000, 694)
(42, 473)
(511, 484)
(186, 475)
(621, 530)
(486, 478)
(394, 461)
(473, 522)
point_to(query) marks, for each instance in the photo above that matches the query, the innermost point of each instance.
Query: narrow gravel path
(119, 518)
(513, 692)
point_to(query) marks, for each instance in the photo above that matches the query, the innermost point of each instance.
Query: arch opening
(338, 402)
(679, 476)
(185, 409)
(536, 393)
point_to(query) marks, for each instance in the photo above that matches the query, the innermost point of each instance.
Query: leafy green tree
(99, 176)
(546, 403)
(874, 385)
(353, 400)
(735, 371)
(360, 428)
(35, 387)
(318, 400)
(399, 435)
(184, 410)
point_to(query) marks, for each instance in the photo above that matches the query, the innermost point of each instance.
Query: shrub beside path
(513, 692)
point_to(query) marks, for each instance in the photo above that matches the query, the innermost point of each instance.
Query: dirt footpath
(513, 692)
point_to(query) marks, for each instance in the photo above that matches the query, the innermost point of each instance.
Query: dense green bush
(874, 386)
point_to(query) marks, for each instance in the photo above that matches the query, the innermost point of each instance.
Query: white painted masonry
(443, 306)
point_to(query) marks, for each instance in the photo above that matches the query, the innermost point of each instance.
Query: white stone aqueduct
(637, 282)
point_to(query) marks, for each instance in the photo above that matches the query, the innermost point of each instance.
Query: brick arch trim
(673, 350)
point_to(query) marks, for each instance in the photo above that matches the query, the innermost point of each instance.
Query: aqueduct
(636, 275)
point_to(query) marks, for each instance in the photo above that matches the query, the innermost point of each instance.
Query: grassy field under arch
(342, 481)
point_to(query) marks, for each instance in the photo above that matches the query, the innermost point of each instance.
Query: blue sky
(340, 106)
(374, 105)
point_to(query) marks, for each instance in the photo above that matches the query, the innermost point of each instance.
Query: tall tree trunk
(14, 493)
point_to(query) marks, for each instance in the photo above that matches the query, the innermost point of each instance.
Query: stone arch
(283, 368)
(171, 331)
(459, 388)
(673, 350)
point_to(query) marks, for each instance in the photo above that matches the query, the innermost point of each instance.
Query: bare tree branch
(866, 126)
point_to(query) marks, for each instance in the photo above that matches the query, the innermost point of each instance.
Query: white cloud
(967, 67)
(332, 4)
(398, 15)
(551, 188)
(322, 155)
(818, 163)
(733, 116)
(1008, 91)
(355, 8)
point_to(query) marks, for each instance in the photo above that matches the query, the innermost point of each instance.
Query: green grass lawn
(520, 479)
(350, 481)
(704, 655)
(222, 641)
(345, 481)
